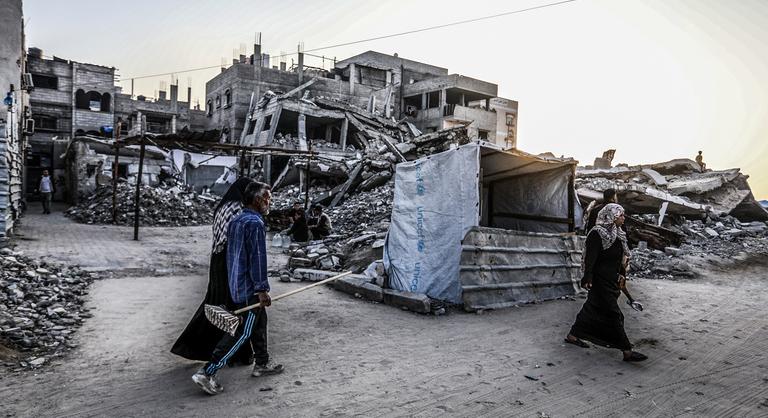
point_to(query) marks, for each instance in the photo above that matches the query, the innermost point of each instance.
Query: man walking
(46, 190)
(248, 284)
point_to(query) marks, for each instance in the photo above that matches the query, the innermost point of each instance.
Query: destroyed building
(676, 187)
(424, 94)
(69, 98)
(72, 99)
(13, 116)
(677, 209)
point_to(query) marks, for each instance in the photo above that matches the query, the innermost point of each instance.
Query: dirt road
(706, 339)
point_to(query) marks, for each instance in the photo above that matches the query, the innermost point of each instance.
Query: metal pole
(242, 164)
(115, 170)
(137, 202)
(571, 198)
(306, 176)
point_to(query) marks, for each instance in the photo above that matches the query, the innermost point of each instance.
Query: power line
(461, 22)
(376, 38)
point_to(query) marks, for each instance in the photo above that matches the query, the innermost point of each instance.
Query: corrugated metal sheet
(502, 268)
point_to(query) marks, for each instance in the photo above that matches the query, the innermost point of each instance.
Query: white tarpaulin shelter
(442, 198)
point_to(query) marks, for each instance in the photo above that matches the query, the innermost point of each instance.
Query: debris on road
(41, 306)
(160, 206)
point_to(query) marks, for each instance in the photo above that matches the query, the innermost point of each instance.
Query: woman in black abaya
(600, 319)
(200, 337)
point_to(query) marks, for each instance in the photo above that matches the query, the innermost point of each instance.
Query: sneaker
(266, 369)
(209, 384)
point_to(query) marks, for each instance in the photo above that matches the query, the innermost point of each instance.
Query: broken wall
(88, 169)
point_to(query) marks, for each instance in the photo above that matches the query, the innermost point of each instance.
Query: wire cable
(376, 38)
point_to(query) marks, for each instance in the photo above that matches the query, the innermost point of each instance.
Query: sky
(655, 80)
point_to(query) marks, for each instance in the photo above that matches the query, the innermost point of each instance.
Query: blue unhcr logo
(421, 241)
(416, 276)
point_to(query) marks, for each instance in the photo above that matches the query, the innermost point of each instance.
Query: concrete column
(257, 55)
(273, 124)
(352, 78)
(487, 104)
(174, 98)
(301, 67)
(328, 132)
(303, 132)
(173, 124)
(344, 129)
(424, 100)
(302, 146)
(389, 77)
(463, 100)
(442, 102)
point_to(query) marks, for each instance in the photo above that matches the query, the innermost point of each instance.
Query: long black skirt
(601, 321)
(199, 338)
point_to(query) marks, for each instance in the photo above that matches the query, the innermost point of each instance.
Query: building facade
(424, 94)
(72, 99)
(13, 116)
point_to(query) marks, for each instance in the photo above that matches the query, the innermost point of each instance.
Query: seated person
(319, 223)
(298, 230)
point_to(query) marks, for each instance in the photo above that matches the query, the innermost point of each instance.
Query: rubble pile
(681, 184)
(353, 184)
(159, 206)
(362, 221)
(680, 213)
(41, 306)
(724, 238)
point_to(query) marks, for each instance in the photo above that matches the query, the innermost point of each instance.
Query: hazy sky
(656, 80)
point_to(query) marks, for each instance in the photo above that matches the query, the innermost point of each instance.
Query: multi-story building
(69, 98)
(424, 94)
(14, 114)
(72, 99)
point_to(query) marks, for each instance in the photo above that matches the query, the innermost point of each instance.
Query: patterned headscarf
(606, 227)
(229, 207)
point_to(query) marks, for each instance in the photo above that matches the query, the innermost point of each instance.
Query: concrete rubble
(357, 193)
(679, 214)
(41, 306)
(160, 206)
(714, 239)
(686, 190)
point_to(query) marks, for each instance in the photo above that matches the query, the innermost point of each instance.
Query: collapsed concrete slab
(679, 184)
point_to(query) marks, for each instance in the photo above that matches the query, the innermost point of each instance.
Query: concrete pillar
(301, 67)
(302, 132)
(352, 78)
(344, 129)
(257, 55)
(442, 102)
(487, 104)
(174, 98)
(424, 103)
(463, 100)
(389, 77)
(302, 146)
(328, 132)
(173, 124)
(189, 97)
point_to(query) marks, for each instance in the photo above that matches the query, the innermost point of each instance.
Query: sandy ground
(706, 339)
